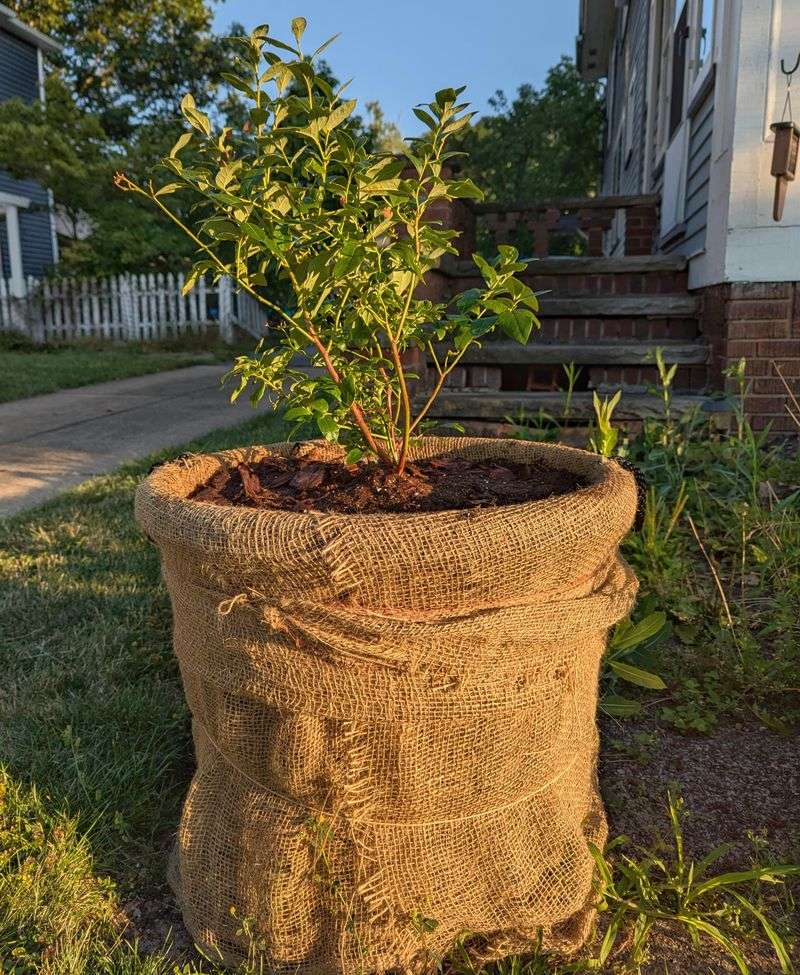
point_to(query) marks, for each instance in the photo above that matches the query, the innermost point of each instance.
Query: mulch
(306, 482)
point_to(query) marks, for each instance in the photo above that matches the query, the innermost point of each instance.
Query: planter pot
(393, 716)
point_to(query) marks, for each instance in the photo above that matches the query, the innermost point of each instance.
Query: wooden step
(599, 353)
(619, 306)
(582, 265)
(494, 405)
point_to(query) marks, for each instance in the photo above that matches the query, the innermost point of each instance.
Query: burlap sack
(394, 716)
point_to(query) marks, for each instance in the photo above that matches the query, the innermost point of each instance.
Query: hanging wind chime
(784, 151)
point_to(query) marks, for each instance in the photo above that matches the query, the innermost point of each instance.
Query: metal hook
(796, 66)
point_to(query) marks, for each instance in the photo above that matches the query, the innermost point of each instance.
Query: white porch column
(17, 279)
(11, 204)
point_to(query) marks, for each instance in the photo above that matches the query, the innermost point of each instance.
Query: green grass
(30, 371)
(94, 732)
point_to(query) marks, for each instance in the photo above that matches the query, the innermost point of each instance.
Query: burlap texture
(394, 715)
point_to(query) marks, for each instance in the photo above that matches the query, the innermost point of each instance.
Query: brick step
(585, 265)
(598, 353)
(477, 404)
(619, 306)
(638, 328)
(575, 276)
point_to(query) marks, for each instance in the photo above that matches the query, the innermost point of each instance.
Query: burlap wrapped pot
(393, 715)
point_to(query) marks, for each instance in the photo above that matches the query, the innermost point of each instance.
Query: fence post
(226, 310)
(35, 310)
(126, 307)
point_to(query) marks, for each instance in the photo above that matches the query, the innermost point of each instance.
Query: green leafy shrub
(296, 197)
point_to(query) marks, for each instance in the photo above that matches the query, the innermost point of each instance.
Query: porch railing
(594, 226)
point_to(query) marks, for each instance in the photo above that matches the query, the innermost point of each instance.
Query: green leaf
(465, 189)
(635, 675)
(425, 117)
(299, 25)
(189, 283)
(619, 707)
(198, 121)
(353, 456)
(280, 46)
(168, 188)
(338, 115)
(508, 253)
(777, 942)
(182, 142)
(517, 324)
(239, 84)
(379, 187)
(480, 326)
(488, 272)
(716, 935)
(762, 874)
(324, 45)
(328, 427)
(631, 636)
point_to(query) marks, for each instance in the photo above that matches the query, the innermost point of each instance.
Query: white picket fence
(127, 307)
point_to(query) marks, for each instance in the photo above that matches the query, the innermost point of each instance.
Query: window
(680, 36)
(664, 10)
(630, 114)
(683, 49)
(704, 45)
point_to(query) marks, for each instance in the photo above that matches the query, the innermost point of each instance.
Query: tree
(546, 143)
(384, 136)
(110, 104)
(129, 63)
(65, 148)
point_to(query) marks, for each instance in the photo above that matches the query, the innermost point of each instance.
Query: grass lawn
(95, 743)
(30, 371)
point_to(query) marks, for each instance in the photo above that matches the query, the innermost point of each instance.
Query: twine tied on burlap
(394, 715)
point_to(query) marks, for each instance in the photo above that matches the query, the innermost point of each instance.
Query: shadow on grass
(91, 710)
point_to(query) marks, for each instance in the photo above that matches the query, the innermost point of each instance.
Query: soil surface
(304, 481)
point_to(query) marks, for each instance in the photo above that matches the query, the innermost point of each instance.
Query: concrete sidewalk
(55, 441)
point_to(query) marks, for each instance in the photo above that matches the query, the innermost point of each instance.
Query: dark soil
(306, 482)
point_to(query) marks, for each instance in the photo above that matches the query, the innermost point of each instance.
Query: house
(693, 87)
(28, 244)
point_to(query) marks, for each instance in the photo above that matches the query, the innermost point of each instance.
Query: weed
(631, 641)
(604, 436)
(572, 373)
(639, 894)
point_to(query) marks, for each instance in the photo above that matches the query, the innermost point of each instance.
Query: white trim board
(13, 200)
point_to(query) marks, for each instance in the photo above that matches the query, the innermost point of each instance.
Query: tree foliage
(128, 63)
(65, 148)
(296, 195)
(111, 102)
(544, 144)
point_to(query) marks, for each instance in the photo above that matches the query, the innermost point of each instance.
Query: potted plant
(389, 643)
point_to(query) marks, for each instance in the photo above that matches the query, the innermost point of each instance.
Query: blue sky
(401, 52)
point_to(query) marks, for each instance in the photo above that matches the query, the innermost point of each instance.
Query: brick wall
(759, 322)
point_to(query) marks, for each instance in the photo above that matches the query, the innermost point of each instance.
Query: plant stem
(355, 409)
(308, 332)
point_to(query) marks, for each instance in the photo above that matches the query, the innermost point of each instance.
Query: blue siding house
(27, 225)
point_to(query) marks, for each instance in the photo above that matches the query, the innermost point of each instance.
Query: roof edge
(10, 21)
(597, 20)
